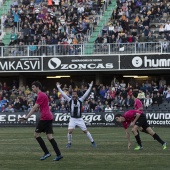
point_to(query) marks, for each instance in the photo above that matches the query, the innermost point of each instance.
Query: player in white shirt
(76, 114)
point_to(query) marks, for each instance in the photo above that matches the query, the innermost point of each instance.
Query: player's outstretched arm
(34, 109)
(87, 92)
(63, 94)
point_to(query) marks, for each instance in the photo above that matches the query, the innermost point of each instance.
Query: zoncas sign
(74, 63)
(85, 66)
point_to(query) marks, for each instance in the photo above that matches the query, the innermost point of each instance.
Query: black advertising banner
(83, 63)
(20, 64)
(60, 119)
(158, 118)
(136, 62)
(91, 119)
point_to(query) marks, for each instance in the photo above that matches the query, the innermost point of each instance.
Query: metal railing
(84, 49)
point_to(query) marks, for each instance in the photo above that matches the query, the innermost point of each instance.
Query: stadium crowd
(59, 22)
(64, 25)
(113, 97)
(137, 21)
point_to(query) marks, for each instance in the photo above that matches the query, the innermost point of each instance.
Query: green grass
(20, 151)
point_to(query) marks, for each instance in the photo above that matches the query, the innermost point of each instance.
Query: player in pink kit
(137, 103)
(137, 120)
(139, 107)
(45, 123)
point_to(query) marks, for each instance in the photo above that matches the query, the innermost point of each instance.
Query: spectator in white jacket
(108, 109)
(147, 101)
(167, 27)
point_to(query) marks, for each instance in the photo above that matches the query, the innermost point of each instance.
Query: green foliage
(20, 151)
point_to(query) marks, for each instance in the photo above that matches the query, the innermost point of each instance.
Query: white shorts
(77, 122)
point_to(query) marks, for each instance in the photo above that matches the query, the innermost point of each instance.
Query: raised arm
(63, 94)
(87, 92)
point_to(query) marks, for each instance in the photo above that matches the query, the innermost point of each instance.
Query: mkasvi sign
(20, 64)
(81, 63)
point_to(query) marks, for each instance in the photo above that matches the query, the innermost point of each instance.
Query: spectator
(14, 4)
(19, 50)
(13, 38)
(141, 95)
(16, 14)
(24, 103)
(150, 37)
(164, 90)
(100, 106)
(121, 102)
(146, 22)
(157, 99)
(32, 49)
(165, 45)
(115, 108)
(21, 87)
(86, 106)
(5, 88)
(26, 33)
(146, 31)
(14, 89)
(108, 108)
(63, 108)
(141, 41)
(30, 105)
(147, 101)
(27, 90)
(167, 27)
(136, 88)
(9, 109)
(17, 105)
(162, 82)
(102, 91)
(129, 102)
(1, 46)
(53, 104)
(92, 105)
(168, 96)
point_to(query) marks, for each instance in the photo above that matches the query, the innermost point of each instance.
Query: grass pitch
(20, 151)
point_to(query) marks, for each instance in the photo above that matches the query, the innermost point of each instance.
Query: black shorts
(44, 126)
(142, 122)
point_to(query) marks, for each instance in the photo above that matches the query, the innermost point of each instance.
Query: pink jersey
(137, 104)
(129, 117)
(42, 100)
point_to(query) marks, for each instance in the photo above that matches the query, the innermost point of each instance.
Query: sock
(69, 136)
(42, 145)
(138, 140)
(156, 137)
(55, 146)
(90, 137)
